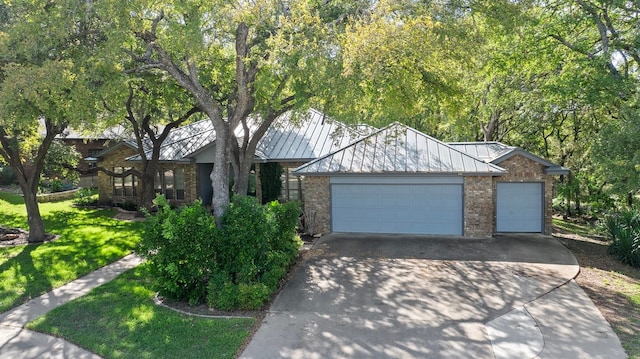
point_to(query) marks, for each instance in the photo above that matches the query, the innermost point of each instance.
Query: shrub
(238, 266)
(85, 197)
(179, 247)
(7, 176)
(623, 229)
(257, 246)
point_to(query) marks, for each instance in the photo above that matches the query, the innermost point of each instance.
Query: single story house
(390, 180)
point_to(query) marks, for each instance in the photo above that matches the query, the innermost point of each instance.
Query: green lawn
(89, 239)
(120, 320)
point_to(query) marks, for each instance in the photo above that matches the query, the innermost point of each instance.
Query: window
(291, 186)
(124, 186)
(171, 183)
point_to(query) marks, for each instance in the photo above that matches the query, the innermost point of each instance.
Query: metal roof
(398, 149)
(183, 141)
(304, 139)
(287, 139)
(496, 152)
(486, 151)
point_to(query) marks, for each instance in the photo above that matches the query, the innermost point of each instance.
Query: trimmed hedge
(238, 266)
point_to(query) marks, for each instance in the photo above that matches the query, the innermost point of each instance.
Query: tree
(45, 75)
(234, 59)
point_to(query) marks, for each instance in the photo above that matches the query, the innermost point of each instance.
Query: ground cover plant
(120, 320)
(237, 266)
(622, 228)
(88, 239)
(613, 286)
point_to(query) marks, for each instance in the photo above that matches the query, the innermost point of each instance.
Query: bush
(238, 266)
(623, 229)
(179, 245)
(85, 197)
(7, 176)
(257, 246)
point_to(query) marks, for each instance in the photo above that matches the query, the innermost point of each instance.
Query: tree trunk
(148, 191)
(241, 176)
(36, 225)
(220, 173)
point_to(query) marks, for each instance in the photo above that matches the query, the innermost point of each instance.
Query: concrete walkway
(17, 342)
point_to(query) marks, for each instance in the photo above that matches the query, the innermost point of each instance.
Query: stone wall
(116, 158)
(478, 206)
(522, 169)
(317, 204)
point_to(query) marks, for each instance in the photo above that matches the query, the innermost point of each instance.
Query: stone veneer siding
(317, 204)
(117, 159)
(522, 169)
(478, 206)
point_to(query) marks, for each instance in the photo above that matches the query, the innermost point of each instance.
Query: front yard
(613, 287)
(120, 319)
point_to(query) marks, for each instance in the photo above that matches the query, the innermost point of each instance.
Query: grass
(120, 320)
(89, 239)
(581, 229)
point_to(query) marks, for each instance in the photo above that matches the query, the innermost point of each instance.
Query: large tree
(46, 75)
(236, 59)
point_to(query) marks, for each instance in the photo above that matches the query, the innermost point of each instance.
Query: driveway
(366, 296)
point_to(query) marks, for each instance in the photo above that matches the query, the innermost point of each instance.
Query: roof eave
(435, 174)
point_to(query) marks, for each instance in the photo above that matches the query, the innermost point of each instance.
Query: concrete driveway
(365, 296)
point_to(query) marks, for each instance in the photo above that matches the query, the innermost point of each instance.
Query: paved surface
(17, 342)
(362, 296)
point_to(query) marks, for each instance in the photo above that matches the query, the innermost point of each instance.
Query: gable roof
(398, 149)
(496, 152)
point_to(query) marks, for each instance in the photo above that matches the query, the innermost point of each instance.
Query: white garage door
(397, 205)
(519, 207)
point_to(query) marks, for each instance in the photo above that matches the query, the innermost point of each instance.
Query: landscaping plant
(236, 266)
(623, 229)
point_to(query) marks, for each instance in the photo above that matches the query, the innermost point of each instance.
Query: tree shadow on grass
(22, 266)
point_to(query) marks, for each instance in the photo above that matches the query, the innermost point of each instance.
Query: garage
(519, 207)
(404, 205)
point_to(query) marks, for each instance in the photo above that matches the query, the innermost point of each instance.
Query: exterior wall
(117, 159)
(478, 206)
(522, 169)
(105, 182)
(317, 204)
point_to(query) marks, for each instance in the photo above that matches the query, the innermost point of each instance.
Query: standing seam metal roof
(391, 150)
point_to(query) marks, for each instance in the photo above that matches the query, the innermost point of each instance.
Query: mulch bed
(16, 236)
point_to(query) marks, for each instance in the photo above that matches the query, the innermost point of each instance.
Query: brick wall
(478, 206)
(84, 147)
(522, 169)
(317, 192)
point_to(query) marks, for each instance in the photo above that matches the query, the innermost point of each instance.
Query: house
(186, 157)
(391, 180)
(398, 180)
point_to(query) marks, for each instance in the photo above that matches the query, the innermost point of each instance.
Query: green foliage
(85, 197)
(60, 161)
(258, 245)
(623, 229)
(270, 182)
(238, 266)
(179, 244)
(7, 175)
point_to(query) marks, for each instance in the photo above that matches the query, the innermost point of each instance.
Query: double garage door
(431, 205)
(406, 205)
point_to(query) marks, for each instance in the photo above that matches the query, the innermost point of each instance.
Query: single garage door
(519, 207)
(397, 205)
